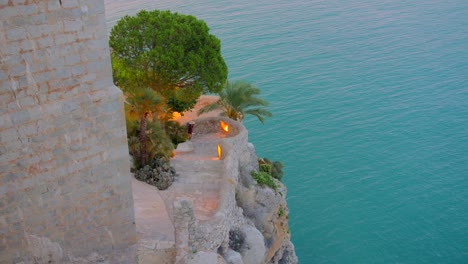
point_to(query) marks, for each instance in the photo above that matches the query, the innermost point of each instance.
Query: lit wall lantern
(220, 151)
(176, 115)
(224, 126)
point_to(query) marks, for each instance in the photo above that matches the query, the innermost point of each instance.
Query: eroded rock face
(253, 249)
(286, 255)
(203, 257)
(233, 257)
(268, 210)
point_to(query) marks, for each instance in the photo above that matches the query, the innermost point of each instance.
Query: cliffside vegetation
(163, 62)
(268, 170)
(274, 168)
(239, 99)
(173, 54)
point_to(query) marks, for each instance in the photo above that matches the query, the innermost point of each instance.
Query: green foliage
(265, 168)
(143, 101)
(239, 99)
(126, 78)
(180, 105)
(159, 144)
(274, 168)
(277, 170)
(171, 53)
(263, 179)
(176, 132)
(146, 138)
(281, 212)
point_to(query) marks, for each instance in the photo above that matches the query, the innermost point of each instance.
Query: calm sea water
(370, 103)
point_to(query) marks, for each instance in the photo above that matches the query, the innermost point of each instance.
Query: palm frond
(211, 107)
(260, 113)
(238, 99)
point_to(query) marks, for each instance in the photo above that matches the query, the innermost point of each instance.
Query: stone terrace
(200, 175)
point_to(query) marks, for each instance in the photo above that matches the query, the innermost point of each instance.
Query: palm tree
(141, 105)
(237, 100)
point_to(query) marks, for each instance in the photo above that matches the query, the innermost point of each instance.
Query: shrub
(264, 178)
(265, 168)
(176, 132)
(277, 170)
(274, 168)
(159, 145)
(158, 173)
(281, 212)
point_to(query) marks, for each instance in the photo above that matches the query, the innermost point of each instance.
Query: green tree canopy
(173, 54)
(239, 99)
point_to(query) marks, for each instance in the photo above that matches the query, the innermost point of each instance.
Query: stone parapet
(213, 234)
(256, 213)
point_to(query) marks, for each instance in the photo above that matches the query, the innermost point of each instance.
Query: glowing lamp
(176, 115)
(220, 151)
(224, 126)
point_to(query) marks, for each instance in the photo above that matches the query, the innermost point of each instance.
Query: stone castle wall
(65, 189)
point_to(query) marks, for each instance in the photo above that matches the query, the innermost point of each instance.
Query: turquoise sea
(370, 103)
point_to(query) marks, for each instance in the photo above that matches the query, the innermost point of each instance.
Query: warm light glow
(224, 126)
(176, 115)
(220, 152)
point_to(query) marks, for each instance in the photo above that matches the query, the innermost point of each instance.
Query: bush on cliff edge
(264, 179)
(274, 168)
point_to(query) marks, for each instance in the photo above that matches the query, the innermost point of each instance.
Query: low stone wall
(211, 125)
(213, 234)
(264, 223)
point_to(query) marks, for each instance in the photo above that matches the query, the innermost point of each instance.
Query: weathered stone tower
(65, 189)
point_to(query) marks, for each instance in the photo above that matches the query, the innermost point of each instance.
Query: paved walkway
(193, 114)
(199, 179)
(155, 230)
(200, 174)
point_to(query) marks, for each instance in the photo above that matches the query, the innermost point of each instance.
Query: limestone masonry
(65, 181)
(65, 190)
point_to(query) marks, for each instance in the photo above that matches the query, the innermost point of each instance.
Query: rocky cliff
(250, 224)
